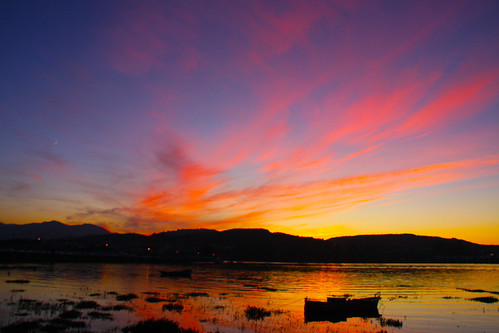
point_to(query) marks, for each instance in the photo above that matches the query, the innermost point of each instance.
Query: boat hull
(339, 309)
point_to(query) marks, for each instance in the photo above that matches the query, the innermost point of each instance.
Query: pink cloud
(274, 31)
(460, 100)
(146, 34)
(325, 114)
(198, 199)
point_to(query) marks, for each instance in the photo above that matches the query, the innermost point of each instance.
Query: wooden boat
(337, 309)
(183, 273)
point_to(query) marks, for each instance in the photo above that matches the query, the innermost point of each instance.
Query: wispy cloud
(242, 114)
(290, 204)
(143, 39)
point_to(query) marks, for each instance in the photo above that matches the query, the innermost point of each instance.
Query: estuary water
(415, 297)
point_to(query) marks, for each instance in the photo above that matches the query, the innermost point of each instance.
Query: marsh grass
(256, 313)
(279, 312)
(67, 323)
(71, 314)
(18, 281)
(197, 294)
(126, 297)
(22, 326)
(100, 315)
(479, 291)
(37, 307)
(66, 301)
(60, 315)
(488, 299)
(83, 305)
(53, 325)
(121, 307)
(176, 297)
(156, 300)
(21, 314)
(117, 307)
(92, 316)
(176, 307)
(17, 291)
(390, 322)
(82, 313)
(157, 325)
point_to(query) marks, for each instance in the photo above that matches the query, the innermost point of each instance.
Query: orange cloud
(327, 117)
(307, 204)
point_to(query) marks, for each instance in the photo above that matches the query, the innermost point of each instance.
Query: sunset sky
(311, 118)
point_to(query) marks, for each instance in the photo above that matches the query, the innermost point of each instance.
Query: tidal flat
(246, 297)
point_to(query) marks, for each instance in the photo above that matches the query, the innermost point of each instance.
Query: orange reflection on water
(220, 305)
(216, 296)
(223, 309)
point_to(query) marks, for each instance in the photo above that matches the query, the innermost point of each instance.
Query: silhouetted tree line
(246, 245)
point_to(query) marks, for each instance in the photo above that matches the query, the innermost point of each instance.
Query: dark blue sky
(312, 118)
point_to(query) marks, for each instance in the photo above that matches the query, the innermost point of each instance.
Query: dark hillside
(407, 248)
(48, 230)
(78, 243)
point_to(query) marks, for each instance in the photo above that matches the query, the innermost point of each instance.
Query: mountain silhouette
(92, 243)
(263, 245)
(48, 230)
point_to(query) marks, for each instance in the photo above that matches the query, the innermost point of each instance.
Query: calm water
(425, 298)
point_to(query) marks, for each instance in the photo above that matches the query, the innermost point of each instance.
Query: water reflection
(422, 297)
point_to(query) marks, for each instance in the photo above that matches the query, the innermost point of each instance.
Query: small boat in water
(183, 273)
(337, 309)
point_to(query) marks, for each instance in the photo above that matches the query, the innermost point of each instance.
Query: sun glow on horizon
(317, 119)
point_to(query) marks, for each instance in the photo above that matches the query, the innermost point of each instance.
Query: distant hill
(248, 245)
(48, 230)
(262, 245)
(410, 248)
